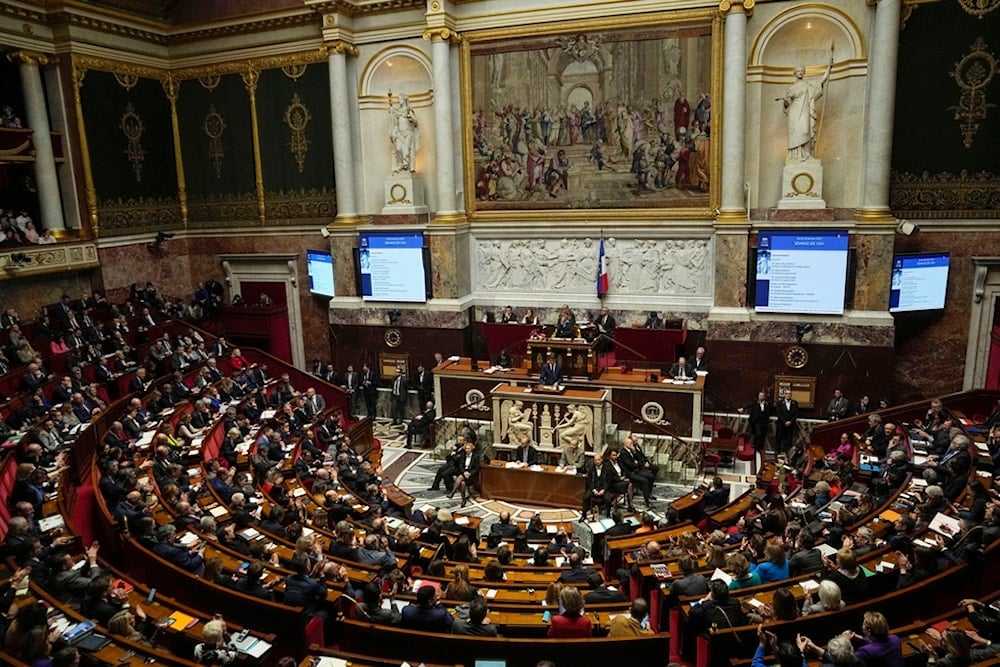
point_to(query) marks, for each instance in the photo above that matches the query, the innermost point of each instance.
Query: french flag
(602, 272)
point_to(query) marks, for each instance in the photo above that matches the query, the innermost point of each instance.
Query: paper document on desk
(719, 574)
(809, 585)
(600, 526)
(51, 523)
(826, 549)
(944, 525)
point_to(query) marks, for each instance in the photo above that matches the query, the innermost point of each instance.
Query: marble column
(343, 164)
(877, 158)
(37, 113)
(444, 146)
(734, 105)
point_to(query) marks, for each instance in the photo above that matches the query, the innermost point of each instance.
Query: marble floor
(413, 470)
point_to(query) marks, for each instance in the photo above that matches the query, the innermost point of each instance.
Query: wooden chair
(709, 459)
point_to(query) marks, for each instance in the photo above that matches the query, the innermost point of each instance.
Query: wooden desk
(542, 487)
(575, 355)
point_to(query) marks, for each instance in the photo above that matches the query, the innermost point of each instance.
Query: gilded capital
(27, 57)
(443, 35)
(171, 88)
(341, 47)
(726, 6)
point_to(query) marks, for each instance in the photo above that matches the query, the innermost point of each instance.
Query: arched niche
(402, 69)
(803, 35)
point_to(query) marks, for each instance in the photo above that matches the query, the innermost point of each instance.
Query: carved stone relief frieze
(681, 267)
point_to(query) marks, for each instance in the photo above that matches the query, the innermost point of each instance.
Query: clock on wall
(393, 337)
(796, 356)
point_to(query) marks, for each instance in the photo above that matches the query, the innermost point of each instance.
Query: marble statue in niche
(799, 104)
(404, 135)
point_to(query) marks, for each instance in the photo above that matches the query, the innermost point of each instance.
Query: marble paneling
(731, 270)
(342, 251)
(828, 333)
(168, 268)
(873, 271)
(445, 266)
(419, 316)
(27, 295)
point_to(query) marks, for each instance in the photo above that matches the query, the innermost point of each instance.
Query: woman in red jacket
(572, 622)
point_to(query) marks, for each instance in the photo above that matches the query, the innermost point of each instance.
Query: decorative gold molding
(224, 210)
(297, 118)
(119, 68)
(172, 88)
(312, 206)
(874, 215)
(28, 57)
(734, 217)
(79, 72)
(349, 220)
(453, 218)
(726, 6)
(123, 216)
(207, 72)
(442, 35)
(59, 258)
(341, 48)
(945, 195)
(973, 74)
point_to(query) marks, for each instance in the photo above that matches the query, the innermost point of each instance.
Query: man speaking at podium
(551, 373)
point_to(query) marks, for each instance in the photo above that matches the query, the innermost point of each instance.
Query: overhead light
(907, 228)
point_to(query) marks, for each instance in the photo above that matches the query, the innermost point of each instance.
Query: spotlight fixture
(907, 228)
(325, 232)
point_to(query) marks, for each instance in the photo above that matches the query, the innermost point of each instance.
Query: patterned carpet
(413, 471)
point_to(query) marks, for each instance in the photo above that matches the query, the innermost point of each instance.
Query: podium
(576, 356)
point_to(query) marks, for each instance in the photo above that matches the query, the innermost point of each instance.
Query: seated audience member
(808, 558)
(717, 609)
(829, 599)
(373, 609)
(847, 574)
(739, 567)
(577, 573)
(214, 650)
(692, 583)
(775, 568)
(192, 560)
(877, 648)
(459, 587)
(600, 592)
(427, 614)
(571, 622)
(525, 452)
(304, 591)
(716, 496)
(478, 624)
(633, 624)
(653, 321)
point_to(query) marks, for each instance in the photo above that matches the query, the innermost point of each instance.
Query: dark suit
(425, 386)
(699, 364)
(759, 416)
(837, 408)
(527, 454)
(638, 469)
(397, 402)
(552, 373)
(369, 390)
(606, 325)
(677, 370)
(787, 411)
(715, 498)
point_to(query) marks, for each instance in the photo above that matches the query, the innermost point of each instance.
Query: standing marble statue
(800, 107)
(404, 134)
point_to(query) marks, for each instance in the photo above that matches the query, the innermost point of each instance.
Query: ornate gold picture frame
(610, 118)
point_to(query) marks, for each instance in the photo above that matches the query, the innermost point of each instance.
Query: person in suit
(468, 473)
(758, 419)
(787, 411)
(577, 573)
(350, 381)
(315, 403)
(504, 529)
(301, 590)
(397, 403)
(425, 384)
(525, 452)
(716, 496)
(653, 321)
(700, 361)
(637, 467)
(838, 406)
(566, 324)
(428, 614)
(551, 373)
(139, 384)
(616, 479)
(421, 424)
(601, 593)
(447, 471)
(508, 316)
(596, 489)
(369, 389)
(681, 370)
(606, 326)
(631, 625)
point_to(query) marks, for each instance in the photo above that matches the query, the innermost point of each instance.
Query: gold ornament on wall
(126, 80)
(973, 75)
(297, 117)
(132, 127)
(294, 71)
(210, 82)
(978, 8)
(214, 126)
